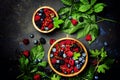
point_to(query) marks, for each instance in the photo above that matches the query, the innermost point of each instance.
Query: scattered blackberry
(81, 19)
(40, 68)
(42, 40)
(47, 71)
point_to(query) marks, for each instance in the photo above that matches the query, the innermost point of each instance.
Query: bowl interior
(67, 57)
(43, 19)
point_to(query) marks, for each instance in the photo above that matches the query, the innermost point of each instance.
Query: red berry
(75, 69)
(52, 41)
(53, 60)
(69, 53)
(36, 77)
(88, 37)
(74, 22)
(26, 41)
(71, 62)
(50, 26)
(26, 53)
(37, 17)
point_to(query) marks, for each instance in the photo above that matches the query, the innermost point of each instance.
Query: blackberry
(81, 19)
(57, 66)
(42, 40)
(74, 46)
(61, 53)
(35, 42)
(40, 68)
(62, 62)
(31, 35)
(38, 23)
(47, 71)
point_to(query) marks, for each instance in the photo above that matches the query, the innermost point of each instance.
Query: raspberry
(26, 41)
(69, 54)
(74, 22)
(37, 17)
(50, 26)
(26, 53)
(88, 37)
(71, 62)
(53, 60)
(75, 69)
(36, 77)
(52, 41)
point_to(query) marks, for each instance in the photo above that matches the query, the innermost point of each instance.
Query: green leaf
(34, 70)
(76, 55)
(55, 77)
(67, 2)
(101, 68)
(83, 32)
(43, 64)
(95, 53)
(37, 52)
(41, 73)
(92, 2)
(99, 7)
(57, 22)
(103, 53)
(26, 61)
(84, 8)
(63, 10)
(84, 1)
(90, 11)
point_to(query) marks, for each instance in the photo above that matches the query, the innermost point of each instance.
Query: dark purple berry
(35, 42)
(31, 35)
(81, 19)
(42, 40)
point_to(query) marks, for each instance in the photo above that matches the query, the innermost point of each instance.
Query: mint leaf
(101, 68)
(103, 53)
(99, 7)
(37, 52)
(84, 1)
(43, 64)
(67, 2)
(94, 53)
(84, 8)
(26, 61)
(76, 55)
(63, 10)
(55, 77)
(92, 2)
(34, 70)
(57, 22)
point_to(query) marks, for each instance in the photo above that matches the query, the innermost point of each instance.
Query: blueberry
(41, 19)
(81, 19)
(105, 43)
(42, 40)
(40, 14)
(46, 28)
(68, 65)
(35, 41)
(70, 17)
(57, 61)
(31, 35)
(76, 61)
(64, 55)
(41, 10)
(78, 66)
(51, 55)
(96, 77)
(53, 49)
(83, 61)
(83, 54)
(80, 59)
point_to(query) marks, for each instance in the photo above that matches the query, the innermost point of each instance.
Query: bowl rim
(68, 75)
(35, 26)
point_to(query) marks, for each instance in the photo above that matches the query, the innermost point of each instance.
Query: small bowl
(62, 59)
(43, 19)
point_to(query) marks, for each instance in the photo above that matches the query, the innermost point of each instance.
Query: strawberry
(88, 37)
(26, 41)
(36, 77)
(74, 22)
(26, 53)
(37, 17)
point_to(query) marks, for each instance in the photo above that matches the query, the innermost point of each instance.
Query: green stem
(106, 19)
(20, 75)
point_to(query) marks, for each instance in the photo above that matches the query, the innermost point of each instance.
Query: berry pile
(44, 19)
(67, 56)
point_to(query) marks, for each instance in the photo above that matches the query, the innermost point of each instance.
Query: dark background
(16, 24)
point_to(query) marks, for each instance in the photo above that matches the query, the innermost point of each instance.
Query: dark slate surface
(16, 24)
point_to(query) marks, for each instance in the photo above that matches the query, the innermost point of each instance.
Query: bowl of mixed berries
(67, 57)
(43, 19)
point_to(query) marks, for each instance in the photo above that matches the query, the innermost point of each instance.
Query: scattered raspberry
(26, 53)
(26, 41)
(88, 37)
(74, 22)
(36, 77)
